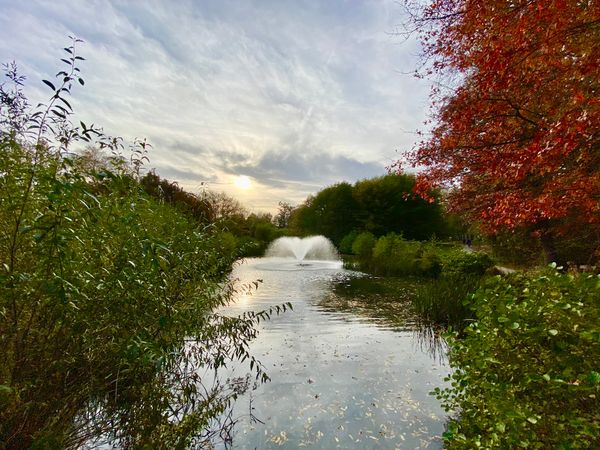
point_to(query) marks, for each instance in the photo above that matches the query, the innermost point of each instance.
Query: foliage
(198, 208)
(516, 248)
(379, 205)
(245, 234)
(526, 373)
(519, 133)
(442, 301)
(282, 218)
(384, 205)
(331, 213)
(362, 247)
(394, 256)
(347, 241)
(106, 295)
(460, 262)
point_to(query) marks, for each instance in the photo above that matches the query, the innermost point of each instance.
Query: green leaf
(553, 332)
(49, 84)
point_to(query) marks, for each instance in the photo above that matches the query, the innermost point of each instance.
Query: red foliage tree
(518, 138)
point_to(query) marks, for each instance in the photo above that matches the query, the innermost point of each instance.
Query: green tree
(385, 205)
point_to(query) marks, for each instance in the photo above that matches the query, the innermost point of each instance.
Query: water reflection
(340, 379)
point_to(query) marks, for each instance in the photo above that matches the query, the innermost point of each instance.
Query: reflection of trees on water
(385, 302)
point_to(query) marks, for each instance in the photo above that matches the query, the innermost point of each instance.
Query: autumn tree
(518, 134)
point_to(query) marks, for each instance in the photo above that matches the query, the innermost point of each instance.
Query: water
(311, 247)
(339, 380)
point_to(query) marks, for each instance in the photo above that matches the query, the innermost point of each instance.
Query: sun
(242, 182)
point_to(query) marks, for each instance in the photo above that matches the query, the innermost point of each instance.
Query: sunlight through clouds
(224, 88)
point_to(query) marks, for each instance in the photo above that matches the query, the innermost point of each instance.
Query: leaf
(66, 103)
(80, 81)
(48, 83)
(553, 332)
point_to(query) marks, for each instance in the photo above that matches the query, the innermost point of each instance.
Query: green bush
(428, 261)
(106, 295)
(362, 247)
(460, 262)
(394, 256)
(347, 242)
(526, 375)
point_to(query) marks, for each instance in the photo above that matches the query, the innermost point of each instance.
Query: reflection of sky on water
(338, 381)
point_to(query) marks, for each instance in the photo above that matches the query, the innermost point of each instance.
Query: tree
(520, 134)
(282, 218)
(384, 205)
(331, 212)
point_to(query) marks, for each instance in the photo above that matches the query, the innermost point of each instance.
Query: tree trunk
(547, 242)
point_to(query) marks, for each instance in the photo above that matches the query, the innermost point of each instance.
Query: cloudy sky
(295, 95)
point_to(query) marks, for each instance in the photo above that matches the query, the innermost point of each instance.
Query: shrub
(106, 295)
(460, 262)
(428, 262)
(347, 242)
(526, 374)
(362, 247)
(393, 256)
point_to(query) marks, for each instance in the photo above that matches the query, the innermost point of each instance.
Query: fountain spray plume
(308, 248)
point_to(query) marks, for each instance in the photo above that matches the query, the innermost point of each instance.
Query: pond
(343, 375)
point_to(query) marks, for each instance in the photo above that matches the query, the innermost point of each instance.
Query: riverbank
(525, 355)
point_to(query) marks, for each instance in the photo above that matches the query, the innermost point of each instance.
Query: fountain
(308, 248)
(309, 253)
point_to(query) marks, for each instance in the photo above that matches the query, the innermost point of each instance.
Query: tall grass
(444, 301)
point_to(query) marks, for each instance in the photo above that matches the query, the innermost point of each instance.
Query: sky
(266, 100)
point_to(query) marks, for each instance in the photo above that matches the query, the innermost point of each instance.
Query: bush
(347, 241)
(526, 374)
(106, 295)
(428, 262)
(362, 247)
(460, 262)
(393, 256)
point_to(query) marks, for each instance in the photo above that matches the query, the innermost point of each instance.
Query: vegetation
(106, 295)
(526, 373)
(515, 141)
(519, 135)
(379, 206)
(246, 234)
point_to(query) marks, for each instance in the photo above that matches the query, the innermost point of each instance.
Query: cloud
(283, 169)
(296, 94)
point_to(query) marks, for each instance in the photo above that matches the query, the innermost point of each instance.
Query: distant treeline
(379, 205)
